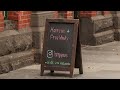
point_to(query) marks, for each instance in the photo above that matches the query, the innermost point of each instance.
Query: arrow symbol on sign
(68, 31)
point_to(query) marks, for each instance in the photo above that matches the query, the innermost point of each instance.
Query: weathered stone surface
(116, 20)
(116, 25)
(102, 24)
(22, 42)
(15, 49)
(10, 24)
(38, 38)
(2, 50)
(92, 26)
(4, 65)
(95, 24)
(37, 57)
(117, 34)
(16, 60)
(22, 59)
(103, 37)
(99, 38)
(14, 43)
(38, 18)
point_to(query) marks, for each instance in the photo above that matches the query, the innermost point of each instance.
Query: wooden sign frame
(44, 66)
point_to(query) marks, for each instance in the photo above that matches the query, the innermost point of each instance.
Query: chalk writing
(68, 31)
(60, 55)
(58, 37)
(56, 30)
(51, 54)
(57, 63)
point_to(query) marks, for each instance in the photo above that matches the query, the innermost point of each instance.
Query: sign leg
(79, 55)
(71, 73)
(52, 71)
(42, 70)
(80, 62)
(81, 70)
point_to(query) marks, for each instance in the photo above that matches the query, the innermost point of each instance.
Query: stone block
(16, 60)
(90, 27)
(116, 20)
(12, 41)
(102, 38)
(38, 19)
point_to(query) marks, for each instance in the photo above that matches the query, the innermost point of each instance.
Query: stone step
(12, 41)
(16, 60)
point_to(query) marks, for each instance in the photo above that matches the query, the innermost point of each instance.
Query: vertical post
(1, 21)
(79, 28)
(52, 71)
(76, 13)
(42, 70)
(78, 60)
(5, 13)
(116, 25)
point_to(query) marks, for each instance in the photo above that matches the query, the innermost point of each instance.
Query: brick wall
(69, 14)
(21, 18)
(64, 14)
(106, 12)
(88, 13)
(92, 13)
(1, 21)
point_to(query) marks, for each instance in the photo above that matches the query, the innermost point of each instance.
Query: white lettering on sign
(58, 37)
(55, 30)
(49, 53)
(68, 31)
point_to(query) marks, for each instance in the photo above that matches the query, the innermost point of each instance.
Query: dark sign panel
(59, 48)
(59, 44)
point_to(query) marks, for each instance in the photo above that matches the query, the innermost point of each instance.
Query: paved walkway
(99, 62)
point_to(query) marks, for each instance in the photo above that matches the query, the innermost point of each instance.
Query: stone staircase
(16, 50)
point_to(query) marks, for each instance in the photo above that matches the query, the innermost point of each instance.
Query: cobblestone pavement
(99, 62)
